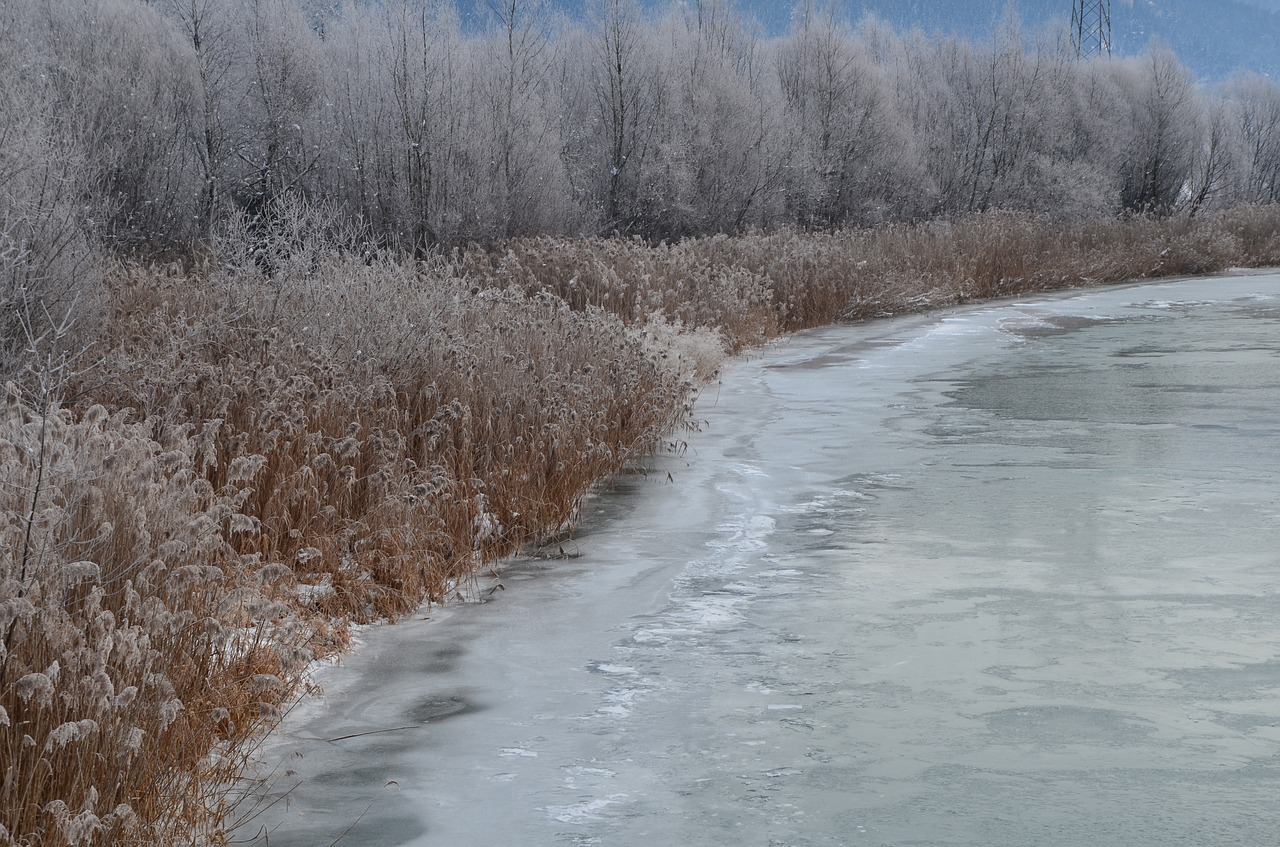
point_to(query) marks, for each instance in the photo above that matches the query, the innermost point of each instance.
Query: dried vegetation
(246, 462)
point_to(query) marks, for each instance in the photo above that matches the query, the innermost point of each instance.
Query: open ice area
(1003, 576)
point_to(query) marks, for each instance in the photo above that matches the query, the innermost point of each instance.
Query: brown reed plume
(257, 459)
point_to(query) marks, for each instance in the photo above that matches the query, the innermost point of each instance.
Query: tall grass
(139, 651)
(751, 288)
(251, 464)
(390, 426)
(263, 453)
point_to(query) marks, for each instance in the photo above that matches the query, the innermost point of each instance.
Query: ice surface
(1005, 576)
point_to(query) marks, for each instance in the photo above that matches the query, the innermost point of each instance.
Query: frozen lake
(1003, 576)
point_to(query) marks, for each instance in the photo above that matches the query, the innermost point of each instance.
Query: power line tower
(1091, 27)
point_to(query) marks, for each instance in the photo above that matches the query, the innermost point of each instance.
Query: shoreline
(372, 436)
(612, 593)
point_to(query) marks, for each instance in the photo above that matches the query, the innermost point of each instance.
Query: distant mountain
(1213, 37)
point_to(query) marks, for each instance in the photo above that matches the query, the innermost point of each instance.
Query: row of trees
(150, 123)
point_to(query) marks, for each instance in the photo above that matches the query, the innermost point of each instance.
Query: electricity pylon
(1091, 27)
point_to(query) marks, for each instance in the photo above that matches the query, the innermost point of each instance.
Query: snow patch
(587, 810)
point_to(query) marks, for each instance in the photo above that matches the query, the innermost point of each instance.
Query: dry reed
(753, 287)
(256, 460)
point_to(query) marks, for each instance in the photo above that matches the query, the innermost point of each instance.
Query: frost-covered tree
(422, 133)
(1161, 134)
(216, 64)
(357, 120)
(525, 187)
(717, 156)
(623, 83)
(1253, 102)
(283, 95)
(848, 138)
(987, 125)
(119, 91)
(48, 213)
(1212, 165)
(414, 178)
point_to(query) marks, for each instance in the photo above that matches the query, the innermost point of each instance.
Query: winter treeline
(211, 466)
(145, 124)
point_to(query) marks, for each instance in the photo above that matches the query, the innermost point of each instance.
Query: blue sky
(1213, 37)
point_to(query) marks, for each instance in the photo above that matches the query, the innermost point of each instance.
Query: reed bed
(252, 464)
(751, 288)
(250, 459)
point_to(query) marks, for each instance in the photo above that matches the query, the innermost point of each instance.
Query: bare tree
(713, 129)
(1255, 104)
(427, 109)
(282, 98)
(357, 122)
(217, 58)
(182, 114)
(1212, 165)
(49, 264)
(528, 190)
(623, 86)
(847, 135)
(1161, 146)
(990, 121)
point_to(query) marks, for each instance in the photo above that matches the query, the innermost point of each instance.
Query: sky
(1214, 37)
